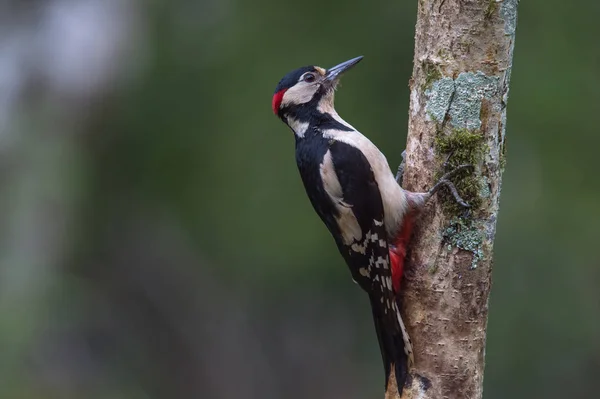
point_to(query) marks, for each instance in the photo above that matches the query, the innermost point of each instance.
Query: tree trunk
(459, 90)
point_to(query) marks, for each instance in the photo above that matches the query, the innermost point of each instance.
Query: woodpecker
(355, 193)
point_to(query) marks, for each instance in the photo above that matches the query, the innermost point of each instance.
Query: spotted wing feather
(368, 254)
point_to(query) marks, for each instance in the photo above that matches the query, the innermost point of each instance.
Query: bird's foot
(400, 172)
(444, 181)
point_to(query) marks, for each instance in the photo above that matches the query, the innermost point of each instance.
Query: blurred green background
(155, 238)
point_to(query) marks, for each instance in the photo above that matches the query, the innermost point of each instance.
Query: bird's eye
(309, 77)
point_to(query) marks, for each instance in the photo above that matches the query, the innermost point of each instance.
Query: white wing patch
(349, 227)
(392, 195)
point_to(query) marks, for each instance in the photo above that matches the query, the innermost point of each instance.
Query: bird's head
(308, 90)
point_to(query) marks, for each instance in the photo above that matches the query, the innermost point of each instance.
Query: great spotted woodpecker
(353, 190)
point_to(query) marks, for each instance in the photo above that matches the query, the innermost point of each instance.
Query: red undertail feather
(398, 251)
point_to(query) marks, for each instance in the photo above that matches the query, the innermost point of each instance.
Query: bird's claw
(400, 172)
(444, 181)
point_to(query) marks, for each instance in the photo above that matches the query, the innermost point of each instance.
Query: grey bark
(459, 89)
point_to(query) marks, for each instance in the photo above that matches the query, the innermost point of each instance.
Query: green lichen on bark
(490, 9)
(439, 96)
(461, 147)
(470, 89)
(465, 233)
(508, 12)
(461, 98)
(432, 73)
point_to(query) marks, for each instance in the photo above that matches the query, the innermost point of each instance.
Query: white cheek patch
(299, 94)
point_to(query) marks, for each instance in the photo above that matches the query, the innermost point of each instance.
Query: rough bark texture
(459, 90)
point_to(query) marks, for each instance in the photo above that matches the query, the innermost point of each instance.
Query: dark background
(155, 238)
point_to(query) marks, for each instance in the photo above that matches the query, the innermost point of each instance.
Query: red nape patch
(398, 251)
(277, 97)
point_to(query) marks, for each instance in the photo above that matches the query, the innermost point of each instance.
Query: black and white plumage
(353, 190)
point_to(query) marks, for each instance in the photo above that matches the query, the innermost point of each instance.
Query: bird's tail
(396, 352)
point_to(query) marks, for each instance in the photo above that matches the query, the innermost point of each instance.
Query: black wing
(352, 192)
(360, 194)
(368, 256)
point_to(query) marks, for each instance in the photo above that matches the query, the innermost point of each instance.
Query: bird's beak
(335, 72)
